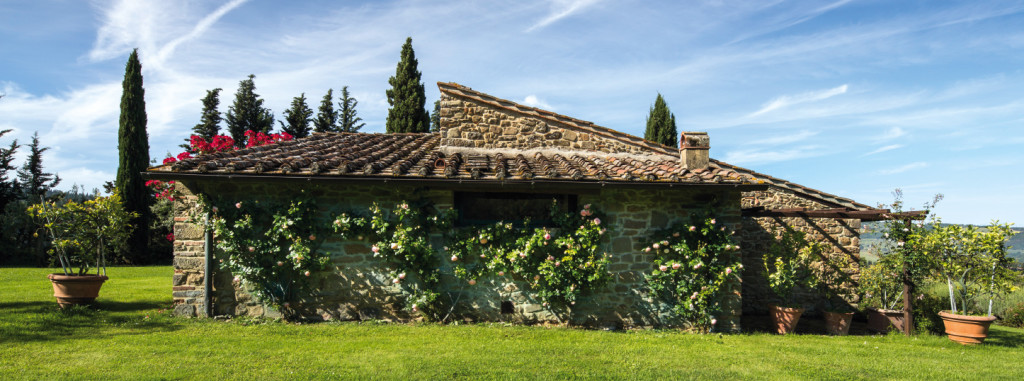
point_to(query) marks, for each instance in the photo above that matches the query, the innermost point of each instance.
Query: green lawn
(129, 335)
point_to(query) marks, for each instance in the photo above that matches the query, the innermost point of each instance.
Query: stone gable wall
(356, 287)
(469, 124)
(841, 238)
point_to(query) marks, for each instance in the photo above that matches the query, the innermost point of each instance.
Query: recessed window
(507, 307)
(484, 208)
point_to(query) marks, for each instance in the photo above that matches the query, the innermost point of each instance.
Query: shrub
(1014, 316)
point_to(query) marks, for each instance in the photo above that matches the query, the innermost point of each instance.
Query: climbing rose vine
(694, 266)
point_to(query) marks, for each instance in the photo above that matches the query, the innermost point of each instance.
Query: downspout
(208, 269)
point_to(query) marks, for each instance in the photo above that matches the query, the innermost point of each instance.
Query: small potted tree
(82, 235)
(836, 286)
(882, 293)
(788, 267)
(973, 263)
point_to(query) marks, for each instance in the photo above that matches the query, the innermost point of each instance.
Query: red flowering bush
(256, 139)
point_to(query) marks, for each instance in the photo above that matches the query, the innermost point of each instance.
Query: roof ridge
(455, 89)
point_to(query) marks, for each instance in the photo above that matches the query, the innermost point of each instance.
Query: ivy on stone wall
(694, 266)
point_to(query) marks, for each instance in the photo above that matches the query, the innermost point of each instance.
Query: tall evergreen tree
(9, 187)
(209, 122)
(661, 124)
(435, 117)
(133, 150)
(34, 182)
(247, 112)
(347, 120)
(407, 96)
(326, 117)
(298, 117)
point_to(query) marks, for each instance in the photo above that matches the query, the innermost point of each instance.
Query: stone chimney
(693, 150)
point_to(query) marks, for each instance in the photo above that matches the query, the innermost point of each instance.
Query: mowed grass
(129, 334)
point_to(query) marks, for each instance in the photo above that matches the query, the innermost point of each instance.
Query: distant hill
(1016, 243)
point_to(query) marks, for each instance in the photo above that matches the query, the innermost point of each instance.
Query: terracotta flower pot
(76, 289)
(881, 320)
(838, 323)
(965, 329)
(784, 319)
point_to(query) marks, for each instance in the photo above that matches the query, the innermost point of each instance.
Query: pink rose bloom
(656, 245)
(728, 271)
(394, 246)
(306, 273)
(676, 266)
(663, 268)
(551, 258)
(312, 238)
(237, 278)
(697, 266)
(676, 234)
(413, 308)
(401, 276)
(692, 228)
(522, 255)
(547, 235)
(375, 249)
(728, 247)
(602, 231)
(395, 281)
(472, 282)
(455, 258)
(586, 206)
(694, 296)
(501, 273)
(597, 221)
(584, 213)
(647, 250)
(712, 221)
(483, 241)
(483, 256)
(252, 249)
(558, 264)
(286, 304)
(215, 209)
(714, 321)
(664, 243)
(238, 205)
(536, 277)
(737, 247)
(279, 263)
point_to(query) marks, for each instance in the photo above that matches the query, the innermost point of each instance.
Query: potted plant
(82, 234)
(835, 285)
(882, 292)
(788, 266)
(973, 263)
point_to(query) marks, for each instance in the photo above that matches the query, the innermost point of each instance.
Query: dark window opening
(484, 208)
(507, 307)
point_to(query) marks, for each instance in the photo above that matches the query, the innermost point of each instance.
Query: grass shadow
(1005, 338)
(45, 321)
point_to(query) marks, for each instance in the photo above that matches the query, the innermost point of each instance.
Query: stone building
(493, 149)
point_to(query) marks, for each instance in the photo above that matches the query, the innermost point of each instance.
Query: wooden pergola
(871, 214)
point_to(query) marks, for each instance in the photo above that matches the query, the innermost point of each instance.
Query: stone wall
(469, 124)
(841, 238)
(356, 286)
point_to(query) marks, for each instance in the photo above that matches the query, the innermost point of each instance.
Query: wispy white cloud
(532, 101)
(884, 149)
(561, 9)
(754, 156)
(790, 100)
(903, 168)
(200, 27)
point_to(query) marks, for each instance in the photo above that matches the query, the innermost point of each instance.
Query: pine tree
(9, 187)
(248, 113)
(209, 122)
(407, 96)
(661, 124)
(298, 117)
(133, 150)
(326, 118)
(348, 121)
(34, 182)
(435, 118)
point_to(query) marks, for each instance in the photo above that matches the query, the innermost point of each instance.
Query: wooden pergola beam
(840, 213)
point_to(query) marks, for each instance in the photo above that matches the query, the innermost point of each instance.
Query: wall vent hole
(507, 307)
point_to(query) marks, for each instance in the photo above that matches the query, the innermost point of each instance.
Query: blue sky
(854, 98)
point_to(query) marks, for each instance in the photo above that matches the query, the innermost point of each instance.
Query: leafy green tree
(247, 112)
(326, 117)
(298, 117)
(435, 118)
(133, 150)
(661, 124)
(9, 187)
(34, 182)
(407, 96)
(209, 122)
(348, 121)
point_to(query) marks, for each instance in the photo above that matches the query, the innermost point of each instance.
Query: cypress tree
(348, 121)
(326, 118)
(247, 112)
(661, 124)
(33, 181)
(9, 187)
(435, 117)
(209, 123)
(298, 117)
(407, 96)
(133, 150)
